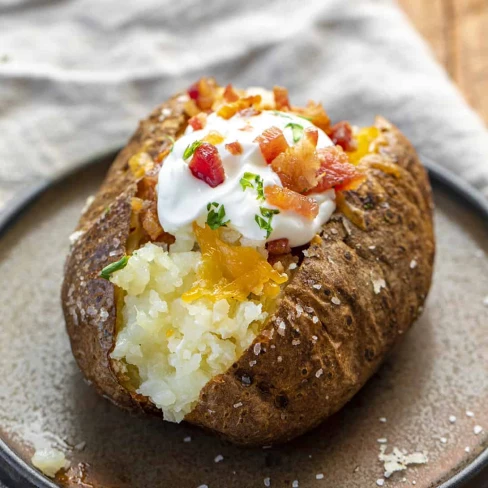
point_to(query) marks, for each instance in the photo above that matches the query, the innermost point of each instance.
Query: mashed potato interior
(176, 346)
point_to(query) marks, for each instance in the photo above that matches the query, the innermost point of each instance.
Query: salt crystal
(452, 418)
(372, 247)
(281, 327)
(295, 342)
(383, 440)
(378, 285)
(382, 420)
(292, 266)
(335, 301)
(485, 301)
(279, 359)
(469, 413)
(80, 446)
(257, 348)
(267, 481)
(187, 439)
(238, 404)
(294, 484)
(319, 373)
(219, 458)
(467, 449)
(413, 264)
(443, 440)
(318, 287)
(315, 319)
(380, 482)
(477, 429)
(319, 476)
(333, 231)
(252, 363)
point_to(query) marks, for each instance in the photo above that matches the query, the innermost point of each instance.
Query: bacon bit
(272, 143)
(335, 170)
(206, 165)
(229, 110)
(297, 167)
(234, 148)
(203, 93)
(199, 121)
(214, 137)
(281, 98)
(278, 246)
(315, 113)
(150, 223)
(312, 135)
(341, 135)
(230, 95)
(290, 200)
(193, 91)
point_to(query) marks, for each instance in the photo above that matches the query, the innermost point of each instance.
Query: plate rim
(16, 472)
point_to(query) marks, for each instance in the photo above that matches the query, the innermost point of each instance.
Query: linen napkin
(75, 76)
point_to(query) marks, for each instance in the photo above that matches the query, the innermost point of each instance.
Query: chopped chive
(112, 267)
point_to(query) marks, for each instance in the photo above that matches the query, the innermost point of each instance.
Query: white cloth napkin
(75, 76)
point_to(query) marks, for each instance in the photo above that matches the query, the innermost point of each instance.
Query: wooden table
(457, 31)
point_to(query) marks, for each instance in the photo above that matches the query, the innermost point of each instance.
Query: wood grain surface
(457, 31)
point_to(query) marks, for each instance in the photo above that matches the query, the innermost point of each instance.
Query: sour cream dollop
(182, 198)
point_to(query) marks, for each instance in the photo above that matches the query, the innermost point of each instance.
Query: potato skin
(287, 382)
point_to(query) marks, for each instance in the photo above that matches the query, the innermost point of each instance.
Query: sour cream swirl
(182, 198)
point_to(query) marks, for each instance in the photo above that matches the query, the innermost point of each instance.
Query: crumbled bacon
(206, 165)
(229, 110)
(341, 135)
(199, 121)
(281, 98)
(297, 167)
(335, 170)
(230, 95)
(203, 93)
(272, 143)
(278, 246)
(234, 148)
(290, 200)
(315, 113)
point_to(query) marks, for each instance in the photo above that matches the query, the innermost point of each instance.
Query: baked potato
(246, 265)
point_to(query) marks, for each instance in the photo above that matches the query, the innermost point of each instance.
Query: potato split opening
(177, 345)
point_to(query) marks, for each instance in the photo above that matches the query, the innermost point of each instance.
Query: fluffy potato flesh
(175, 343)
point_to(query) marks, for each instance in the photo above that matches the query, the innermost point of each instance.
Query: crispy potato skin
(325, 362)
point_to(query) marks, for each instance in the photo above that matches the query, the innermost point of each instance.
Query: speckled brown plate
(439, 370)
